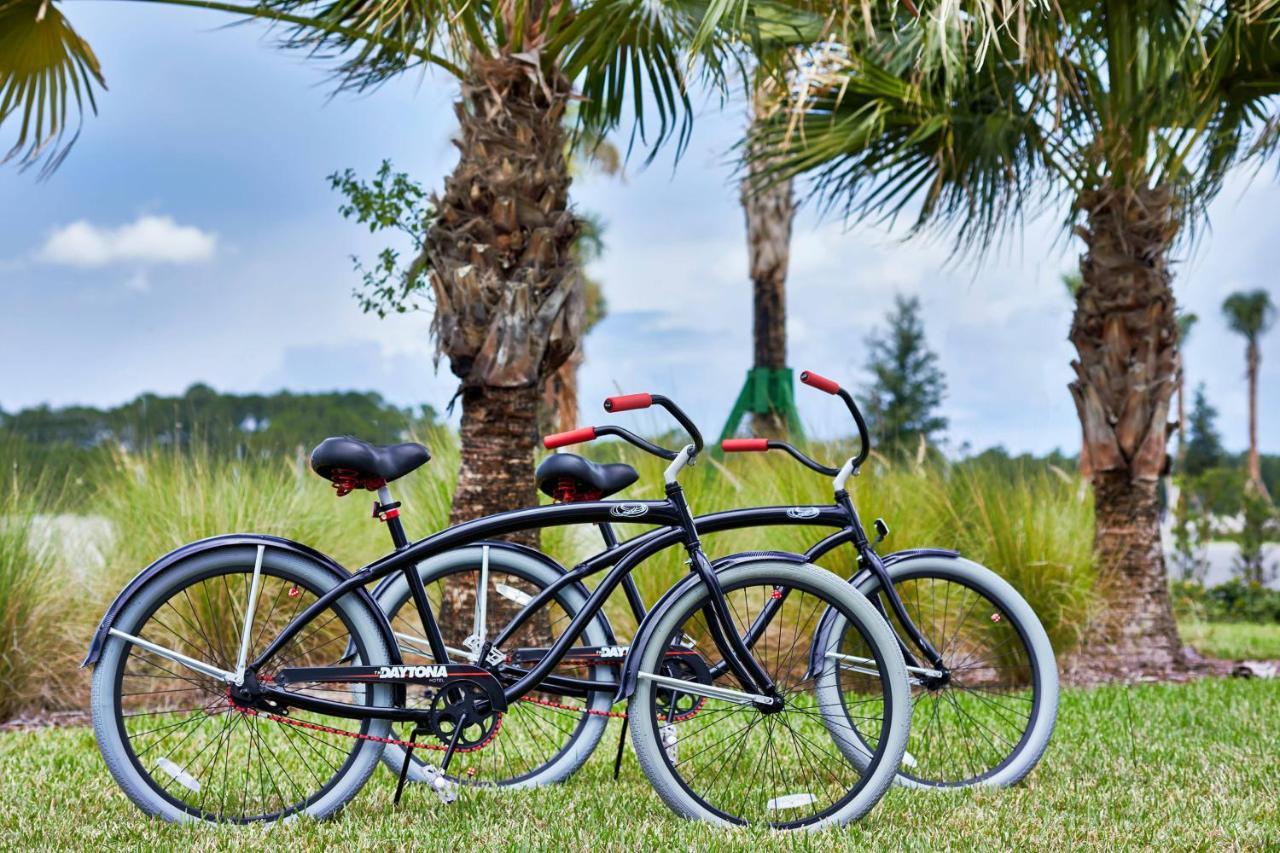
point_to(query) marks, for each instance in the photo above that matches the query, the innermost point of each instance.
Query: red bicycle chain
(302, 724)
(391, 741)
(617, 715)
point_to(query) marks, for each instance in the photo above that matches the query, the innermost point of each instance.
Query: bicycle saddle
(569, 477)
(354, 464)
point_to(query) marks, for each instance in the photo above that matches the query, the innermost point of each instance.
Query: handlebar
(822, 383)
(573, 436)
(626, 403)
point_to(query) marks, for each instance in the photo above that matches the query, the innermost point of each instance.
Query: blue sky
(191, 236)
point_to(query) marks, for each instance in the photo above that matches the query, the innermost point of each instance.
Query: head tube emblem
(628, 510)
(803, 512)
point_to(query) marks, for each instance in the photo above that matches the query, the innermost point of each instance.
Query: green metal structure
(766, 390)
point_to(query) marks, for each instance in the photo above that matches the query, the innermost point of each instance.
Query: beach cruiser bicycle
(982, 672)
(249, 678)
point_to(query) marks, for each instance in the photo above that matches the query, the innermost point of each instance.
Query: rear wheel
(989, 721)
(544, 736)
(173, 738)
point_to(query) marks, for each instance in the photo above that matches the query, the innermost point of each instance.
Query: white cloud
(148, 240)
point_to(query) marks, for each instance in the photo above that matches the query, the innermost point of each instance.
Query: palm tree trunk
(508, 305)
(1254, 360)
(498, 434)
(769, 212)
(1126, 337)
(560, 396)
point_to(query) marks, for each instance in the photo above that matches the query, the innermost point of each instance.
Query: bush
(1233, 601)
(1218, 491)
(162, 498)
(1032, 525)
(42, 608)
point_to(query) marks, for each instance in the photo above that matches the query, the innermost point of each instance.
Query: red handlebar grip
(573, 436)
(822, 383)
(744, 445)
(627, 402)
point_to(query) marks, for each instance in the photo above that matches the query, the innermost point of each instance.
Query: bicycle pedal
(445, 789)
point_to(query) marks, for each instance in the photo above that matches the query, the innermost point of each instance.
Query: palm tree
(1251, 315)
(769, 210)
(499, 253)
(1186, 322)
(1130, 115)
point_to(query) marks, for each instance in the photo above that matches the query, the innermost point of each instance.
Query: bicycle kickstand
(404, 767)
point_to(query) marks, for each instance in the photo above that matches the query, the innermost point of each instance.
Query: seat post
(386, 509)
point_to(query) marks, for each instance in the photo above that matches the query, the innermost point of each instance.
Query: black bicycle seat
(354, 464)
(567, 476)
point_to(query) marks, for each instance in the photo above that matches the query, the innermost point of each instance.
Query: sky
(191, 236)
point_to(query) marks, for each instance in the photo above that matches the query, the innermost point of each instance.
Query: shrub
(42, 609)
(1233, 601)
(1029, 524)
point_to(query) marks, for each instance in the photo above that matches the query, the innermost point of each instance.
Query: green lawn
(1233, 640)
(1182, 766)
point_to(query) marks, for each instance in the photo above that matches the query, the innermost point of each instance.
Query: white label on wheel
(908, 759)
(512, 594)
(181, 776)
(790, 801)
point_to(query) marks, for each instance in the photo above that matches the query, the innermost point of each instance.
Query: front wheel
(990, 720)
(734, 762)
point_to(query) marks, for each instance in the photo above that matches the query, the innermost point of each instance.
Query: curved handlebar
(822, 383)
(624, 403)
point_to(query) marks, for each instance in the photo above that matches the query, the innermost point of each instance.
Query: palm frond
(374, 40)
(47, 78)
(877, 140)
(625, 55)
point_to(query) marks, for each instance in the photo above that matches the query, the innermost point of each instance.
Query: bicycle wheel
(177, 744)
(733, 763)
(989, 721)
(544, 737)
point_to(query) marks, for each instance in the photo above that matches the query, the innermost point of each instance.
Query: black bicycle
(250, 678)
(982, 671)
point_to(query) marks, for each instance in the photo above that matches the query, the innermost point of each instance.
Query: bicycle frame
(841, 515)
(672, 514)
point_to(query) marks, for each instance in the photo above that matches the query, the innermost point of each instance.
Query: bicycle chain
(391, 741)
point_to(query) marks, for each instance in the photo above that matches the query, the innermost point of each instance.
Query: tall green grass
(1033, 526)
(161, 499)
(40, 608)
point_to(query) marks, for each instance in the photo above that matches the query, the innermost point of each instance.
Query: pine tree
(1204, 448)
(907, 383)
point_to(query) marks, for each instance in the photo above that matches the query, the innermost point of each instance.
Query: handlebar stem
(847, 470)
(683, 458)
